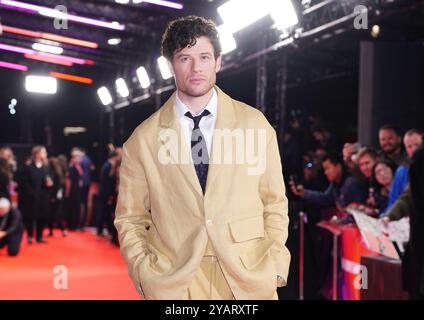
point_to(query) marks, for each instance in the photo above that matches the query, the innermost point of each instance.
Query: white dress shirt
(206, 125)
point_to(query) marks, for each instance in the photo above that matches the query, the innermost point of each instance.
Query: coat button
(209, 222)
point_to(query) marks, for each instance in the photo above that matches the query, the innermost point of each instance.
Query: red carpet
(95, 270)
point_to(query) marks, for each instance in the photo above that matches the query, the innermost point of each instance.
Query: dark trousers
(29, 226)
(105, 217)
(56, 216)
(13, 243)
(84, 202)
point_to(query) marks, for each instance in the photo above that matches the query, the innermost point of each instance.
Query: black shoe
(41, 241)
(29, 240)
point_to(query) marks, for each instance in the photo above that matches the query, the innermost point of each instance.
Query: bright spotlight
(46, 48)
(375, 31)
(164, 68)
(228, 43)
(104, 96)
(14, 101)
(143, 77)
(40, 84)
(114, 41)
(284, 14)
(281, 11)
(122, 88)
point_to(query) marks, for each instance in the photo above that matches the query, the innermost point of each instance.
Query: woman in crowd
(381, 180)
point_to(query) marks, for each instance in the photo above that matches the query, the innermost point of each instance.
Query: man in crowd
(412, 140)
(391, 144)
(342, 191)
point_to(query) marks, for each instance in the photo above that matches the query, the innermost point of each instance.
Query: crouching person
(11, 227)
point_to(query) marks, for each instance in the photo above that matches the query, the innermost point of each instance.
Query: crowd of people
(343, 175)
(45, 193)
(325, 176)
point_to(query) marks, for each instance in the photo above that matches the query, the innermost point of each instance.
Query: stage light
(230, 13)
(76, 42)
(114, 41)
(14, 102)
(13, 66)
(49, 12)
(104, 96)
(283, 14)
(16, 49)
(46, 57)
(73, 130)
(12, 112)
(50, 36)
(281, 11)
(228, 43)
(41, 84)
(48, 60)
(71, 77)
(163, 3)
(47, 48)
(164, 68)
(122, 1)
(143, 77)
(122, 88)
(375, 31)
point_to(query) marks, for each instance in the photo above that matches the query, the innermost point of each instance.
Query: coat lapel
(225, 120)
(168, 120)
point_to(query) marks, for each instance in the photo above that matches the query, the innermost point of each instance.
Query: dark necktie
(199, 151)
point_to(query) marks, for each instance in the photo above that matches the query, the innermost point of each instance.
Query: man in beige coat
(202, 217)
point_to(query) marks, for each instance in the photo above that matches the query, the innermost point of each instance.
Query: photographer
(11, 227)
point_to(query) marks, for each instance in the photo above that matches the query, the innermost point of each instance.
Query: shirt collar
(212, 106)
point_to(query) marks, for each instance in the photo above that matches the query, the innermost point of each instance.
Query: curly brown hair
(183, 32)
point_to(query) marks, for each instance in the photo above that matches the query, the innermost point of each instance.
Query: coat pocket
(253, 257)
(247, 228)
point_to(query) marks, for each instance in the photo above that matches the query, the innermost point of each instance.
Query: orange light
(22, 32)
(50, 36)
(71, 77)
(77, 42)
(48, 59)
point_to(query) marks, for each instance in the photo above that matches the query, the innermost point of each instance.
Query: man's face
(332, 171)
(412, 142)
(195, 68)
(389, 140)
(366, 163)
(42, 154)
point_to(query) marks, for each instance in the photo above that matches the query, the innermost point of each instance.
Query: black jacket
(11, 222)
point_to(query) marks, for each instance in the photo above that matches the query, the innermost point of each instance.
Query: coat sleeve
(132, 217)
(402, 207)
(273, 195)
(325, 199)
